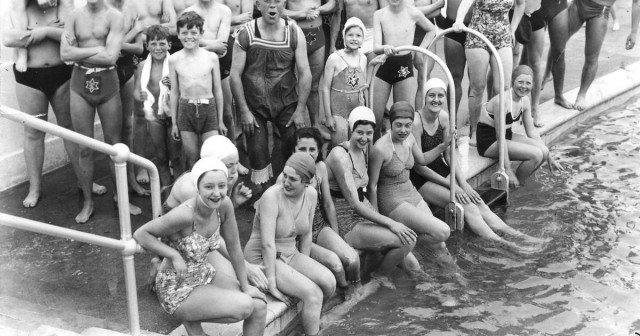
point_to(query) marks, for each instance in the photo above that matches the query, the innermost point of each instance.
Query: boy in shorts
(152, 89)
(196, 105)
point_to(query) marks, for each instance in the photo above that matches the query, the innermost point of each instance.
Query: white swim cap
(361, 113)
(207, 164)
(435, 83)
(353, 22)
(218, 146)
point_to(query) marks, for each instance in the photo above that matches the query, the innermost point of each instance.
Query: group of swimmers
(207, 62)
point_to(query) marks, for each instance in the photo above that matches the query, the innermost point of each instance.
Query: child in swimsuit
(187, 284)
(347, 88)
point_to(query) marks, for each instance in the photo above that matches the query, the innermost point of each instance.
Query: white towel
(163, 97)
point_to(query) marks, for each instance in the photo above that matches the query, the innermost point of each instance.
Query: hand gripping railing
(126, 245)
(499, 180)
(454, 213)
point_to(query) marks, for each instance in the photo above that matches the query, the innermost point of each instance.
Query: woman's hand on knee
(406, 235)
(280, 296)
(256, 276)
(255, 293)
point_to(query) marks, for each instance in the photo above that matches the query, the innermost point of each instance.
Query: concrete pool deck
(75, 287)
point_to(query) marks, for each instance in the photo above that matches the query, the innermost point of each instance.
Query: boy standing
(396, 25)
(152, 89)
(196, 106)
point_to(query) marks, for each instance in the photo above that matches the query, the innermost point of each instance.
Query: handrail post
(122, 187)
(499, 180)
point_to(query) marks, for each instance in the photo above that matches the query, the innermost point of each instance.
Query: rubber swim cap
(303, 164)
(361, 113)
(401, 109)
(218, 146)
(207, 164)
(435, 83)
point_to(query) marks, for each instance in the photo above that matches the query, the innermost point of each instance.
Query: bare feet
(143, 176)
(383, 280)
(472, 140)
(138, 189)
(536, 119)
(32, 199)
(545, 81)
(134, 210)
(85, 213)
(242, 170)
(97, 189)
(562, 101)
(581, 103)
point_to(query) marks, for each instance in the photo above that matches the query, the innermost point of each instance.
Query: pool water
(586, 281)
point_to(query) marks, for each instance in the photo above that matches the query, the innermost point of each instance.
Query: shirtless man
(308, 15)
(180, 5)
(596, 15)
(45, 81)
(363, 10)
(126, 67)
(151, 12)
(92, 39)
(395, 26)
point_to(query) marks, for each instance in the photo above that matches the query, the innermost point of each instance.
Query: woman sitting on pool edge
(528, 148)
(390, 189)
(431, 126)
(328, 247)
(283, 220)
(193, 230)
(360, 225)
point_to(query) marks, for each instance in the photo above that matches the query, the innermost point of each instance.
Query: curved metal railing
(120, 154)
(454, 213)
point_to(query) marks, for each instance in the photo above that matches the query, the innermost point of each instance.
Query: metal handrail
(500, 179)
(454, 213)
(120, 154)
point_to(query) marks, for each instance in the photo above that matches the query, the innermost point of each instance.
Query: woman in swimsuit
(283, 217)
(345, 86)
(390, 189)
(490, 18)
(189, 233)
(328, 247)
(431, 126)
(529, 148)
(359, 223)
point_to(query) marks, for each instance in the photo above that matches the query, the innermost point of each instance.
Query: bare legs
(126, 96)
(375, 238)
(334, 253)
(534, 51)
(558, 36)
(230, 305)
(316, 64)
(420, 219)
(456, 61)
(521, 148)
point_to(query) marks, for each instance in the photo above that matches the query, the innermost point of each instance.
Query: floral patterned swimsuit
(194, 249)
(490, 18)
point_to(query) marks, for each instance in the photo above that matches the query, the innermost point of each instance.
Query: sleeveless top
(396, 171)
(194, 248)
(487, 117)
(430, 142)
(360, 176)
(269, 74)
(348, 88)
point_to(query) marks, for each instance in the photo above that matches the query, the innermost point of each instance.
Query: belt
(202, 101)
(338, 193)
(94, 69)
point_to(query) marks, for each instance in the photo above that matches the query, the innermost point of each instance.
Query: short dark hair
(305, 132)
(363, 122)
(189, 20)
(157, 33)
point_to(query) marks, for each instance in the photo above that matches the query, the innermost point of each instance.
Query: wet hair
(305, 133)
(363, 122)
(157, 33)
(519, 71)
(189, 20)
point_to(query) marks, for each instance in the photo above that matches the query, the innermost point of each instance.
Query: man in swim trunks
(265, 86)
(45, 81)
(596, 15)
(126, 66)
(394, 26)
(363, 10)
(92, 39)
(308, 16)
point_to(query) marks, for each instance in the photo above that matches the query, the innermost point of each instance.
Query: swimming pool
(586, 281)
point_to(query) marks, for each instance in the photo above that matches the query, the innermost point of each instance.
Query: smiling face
(308, 145)
(434, 100)
(353, 38)
(212, 188)
(401, 128)
(362, 135)
(292, 183)
(190, 37)
(231, 161)
(158, 49)
(271, 10)
(522, 85)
